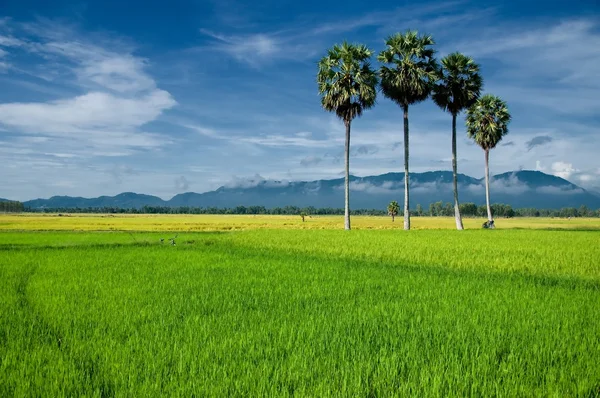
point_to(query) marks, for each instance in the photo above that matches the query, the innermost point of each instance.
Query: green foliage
(459, 84)
(409, 68)
(487, 121)
(309, 313)
(347, 83)
(419, 211)
(468, 209)
(11, 206)
(393, 209)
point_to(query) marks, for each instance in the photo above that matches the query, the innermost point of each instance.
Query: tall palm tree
(458, 88)
(408, 80)
(347, 85)
(487, 123)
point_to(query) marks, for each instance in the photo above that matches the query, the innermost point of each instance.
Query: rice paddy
(272, 306)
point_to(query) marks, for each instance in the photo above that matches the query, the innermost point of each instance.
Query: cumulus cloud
(563, 170)
(538, 141)
(245, 182)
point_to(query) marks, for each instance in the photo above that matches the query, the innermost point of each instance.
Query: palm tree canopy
(347, 83)
(487, 121)
(459, 83)
(409, 69)
(393, 208)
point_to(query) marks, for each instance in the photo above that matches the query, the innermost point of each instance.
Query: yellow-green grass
(277, 312)
(117, 222)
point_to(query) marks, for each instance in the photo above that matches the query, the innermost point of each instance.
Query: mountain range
(519, 189)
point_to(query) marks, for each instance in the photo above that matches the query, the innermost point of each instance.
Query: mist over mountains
(518, 189)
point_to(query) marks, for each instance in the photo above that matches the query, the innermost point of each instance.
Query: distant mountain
(519, 189)
(123, 200)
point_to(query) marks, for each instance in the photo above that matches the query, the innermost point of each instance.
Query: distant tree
(438, 209)
(347, 85)
(303, 215)
(11, 206)
(487, 122)
(407, 77)
(468, 209)
(393, 209)
(420, 210)
(447, 211)
(458, 88)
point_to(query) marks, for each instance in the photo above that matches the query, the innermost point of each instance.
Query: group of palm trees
(410, 74)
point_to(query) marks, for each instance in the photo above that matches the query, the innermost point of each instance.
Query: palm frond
(487, 121)
(409, 68)
(347, 83)
(459, 83)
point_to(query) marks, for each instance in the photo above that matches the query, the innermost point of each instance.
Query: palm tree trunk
(347, 182)
(406, 182)
(487, 183)
(459, 224)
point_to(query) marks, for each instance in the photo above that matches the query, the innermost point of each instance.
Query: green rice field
(297, 311)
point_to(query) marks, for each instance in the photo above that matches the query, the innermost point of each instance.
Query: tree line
(11, 206)
(437, 209)
(410, 74)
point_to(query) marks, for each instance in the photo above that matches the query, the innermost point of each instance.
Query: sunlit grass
(118, 222)
(291, 312)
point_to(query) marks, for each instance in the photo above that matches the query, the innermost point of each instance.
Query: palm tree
(347, 85)
(408, 81)
(303, 215)
(458, 88)
(487, 123)
(393, 209)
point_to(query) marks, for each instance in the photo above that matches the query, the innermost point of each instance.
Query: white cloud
(511, 185)
(245, 182)
(558, 190)
(277, 140)
(385, 187)
(569, 52)
(8, 41)
(250, 48)
(563, 169)
(119, 96)
(123, 74)
(95, 110)
(299, 42)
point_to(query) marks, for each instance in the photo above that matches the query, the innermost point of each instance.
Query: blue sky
(102, 97)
